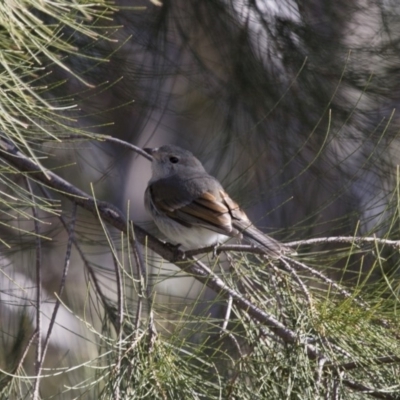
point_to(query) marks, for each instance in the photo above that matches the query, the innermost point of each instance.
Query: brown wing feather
(194, 208)
(215, 211)
(234, 210)
(250, 232)
(208, 212)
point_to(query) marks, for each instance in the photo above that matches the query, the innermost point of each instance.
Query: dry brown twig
(113, 216)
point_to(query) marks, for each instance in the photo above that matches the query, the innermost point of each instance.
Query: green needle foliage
(354, 331)
(315, 326)
(37, 38)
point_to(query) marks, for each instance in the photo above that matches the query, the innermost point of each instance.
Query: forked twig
(196, 268)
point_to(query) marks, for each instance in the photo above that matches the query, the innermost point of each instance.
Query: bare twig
(358, 240)
(342, 291)
(352, 240)
(8, 377)
(373, 392)
(120, 314)
(120, 292)
(145, 288)
(356, 364)
(108, 309)
(110, 139)
(303, 287)
(67, 259)
(227, 314)
(140, 273)
(38, 358)
(196, 268)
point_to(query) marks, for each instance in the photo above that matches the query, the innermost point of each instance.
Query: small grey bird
(191, 208)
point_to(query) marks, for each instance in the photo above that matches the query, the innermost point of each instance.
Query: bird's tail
(273, 248)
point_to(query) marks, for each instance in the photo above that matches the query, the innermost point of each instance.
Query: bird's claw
(178, 253)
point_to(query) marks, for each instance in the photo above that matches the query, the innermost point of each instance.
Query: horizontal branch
(112, 215)
(376, 361)
(117, 219)
(346, 239)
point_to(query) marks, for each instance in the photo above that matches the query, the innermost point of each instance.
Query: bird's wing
(241, 223)
(207, 209)
(213, 210)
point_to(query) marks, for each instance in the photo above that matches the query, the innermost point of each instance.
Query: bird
(192, 209)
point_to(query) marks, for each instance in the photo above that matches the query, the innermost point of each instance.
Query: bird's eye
(174, 159)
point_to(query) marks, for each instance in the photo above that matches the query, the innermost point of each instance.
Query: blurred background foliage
(292, 105)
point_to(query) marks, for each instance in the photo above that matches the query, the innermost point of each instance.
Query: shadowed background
(291, 105)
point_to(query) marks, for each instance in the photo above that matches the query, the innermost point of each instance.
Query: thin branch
(141, 272)
(224, 331)
(120, 315)
(342, 291)
(204, 274)
(38, 358)
(358, 240)
(143, 281)
(299, 265)
(67, 259)
(108, 309)
(373, 392)
(197, 269)
(227, 314)
(120, 289)
(7, 378)
(110, 139)
(356, 364)
(303, 287)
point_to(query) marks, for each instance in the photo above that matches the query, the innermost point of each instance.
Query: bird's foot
(175, 249)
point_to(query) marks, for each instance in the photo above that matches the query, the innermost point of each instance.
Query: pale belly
(189, 238)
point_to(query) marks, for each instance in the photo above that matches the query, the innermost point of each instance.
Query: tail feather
(274, 248)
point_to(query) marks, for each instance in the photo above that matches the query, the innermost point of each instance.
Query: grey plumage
(191, 207)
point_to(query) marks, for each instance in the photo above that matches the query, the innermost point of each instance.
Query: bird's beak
(148, 150)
